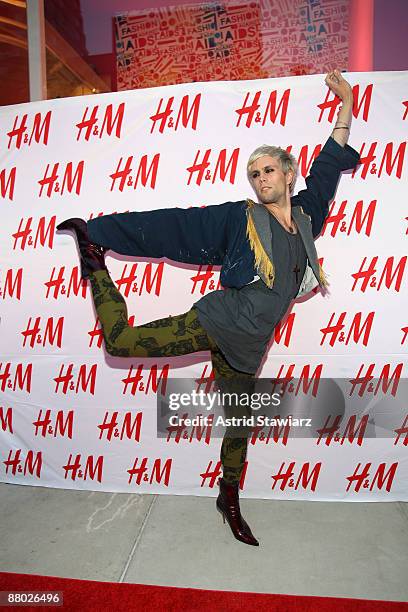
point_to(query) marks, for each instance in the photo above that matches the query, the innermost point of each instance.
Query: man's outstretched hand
(339, 86)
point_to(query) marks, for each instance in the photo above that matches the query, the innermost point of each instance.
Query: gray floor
(307, 548)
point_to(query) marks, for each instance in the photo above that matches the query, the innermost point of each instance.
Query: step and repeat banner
(72, 416)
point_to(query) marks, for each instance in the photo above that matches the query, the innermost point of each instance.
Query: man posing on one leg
(267, 253)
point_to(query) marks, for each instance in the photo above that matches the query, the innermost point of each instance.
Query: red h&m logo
(388, 160)
(20, 133)
(359, 219)
(331, 431)
(45, 426)
(197, 432)
(389, 276)
(129, 428)
(305, 380)
(148, 282)
(361, 479)
(185, 114)
(304, 159)
(307, 477)
(222, 168)
(30, 236)
(356, 329)
(31, 465)
(83, 380)
(70, 181)
(21, 379)
(261, 434)
(269, 113)
(135, 382)
(91, 125)
(76, 284)
(156, 475)
(51, 334)
(93, 469)
(385, 381)
(125, 178)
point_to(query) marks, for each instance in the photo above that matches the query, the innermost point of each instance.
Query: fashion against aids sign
(229, 41)
(72, 416)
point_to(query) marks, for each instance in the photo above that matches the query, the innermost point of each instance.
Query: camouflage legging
(172, 336)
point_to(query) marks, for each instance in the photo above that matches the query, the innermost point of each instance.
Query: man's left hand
(339, 86)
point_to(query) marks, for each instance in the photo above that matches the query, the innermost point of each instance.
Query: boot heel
(221, 512)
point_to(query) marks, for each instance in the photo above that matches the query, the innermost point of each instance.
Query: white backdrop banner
(73, 417)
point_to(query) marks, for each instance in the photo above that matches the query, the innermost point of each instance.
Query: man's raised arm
(335, 156)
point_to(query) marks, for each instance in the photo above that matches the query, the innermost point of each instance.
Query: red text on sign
(330, 431)
(363, 380)
(30, 466)
(361, 479)
(93, 469)
(135, 382)
(306, 479)
(269, 112)
(223, 169)
(127, 176)
(59, 424)
(130, 426)
(20, 379)
(360, 219)
(356, 329)
(42, 235)
(57, 284)
(84, 381)
(7, 183)
(70, 181)
(128, 283)
(157, 472)
(185, 114)
(21, 133)
(50, 336)
(90, 125)
(368, 276)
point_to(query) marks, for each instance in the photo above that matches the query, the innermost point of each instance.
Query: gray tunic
(241, 321)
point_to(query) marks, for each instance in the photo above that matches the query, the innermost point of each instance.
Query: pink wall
(390, 35)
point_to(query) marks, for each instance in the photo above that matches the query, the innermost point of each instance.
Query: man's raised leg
(171, 336)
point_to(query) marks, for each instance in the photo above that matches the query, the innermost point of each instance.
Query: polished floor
(309, 548)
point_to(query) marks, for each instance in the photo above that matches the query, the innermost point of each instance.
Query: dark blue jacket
(218, 234)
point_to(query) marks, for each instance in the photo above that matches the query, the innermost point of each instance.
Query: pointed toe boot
(228, 505)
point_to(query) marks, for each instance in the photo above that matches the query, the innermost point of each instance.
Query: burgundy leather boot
(228, 504)
(92, 255)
